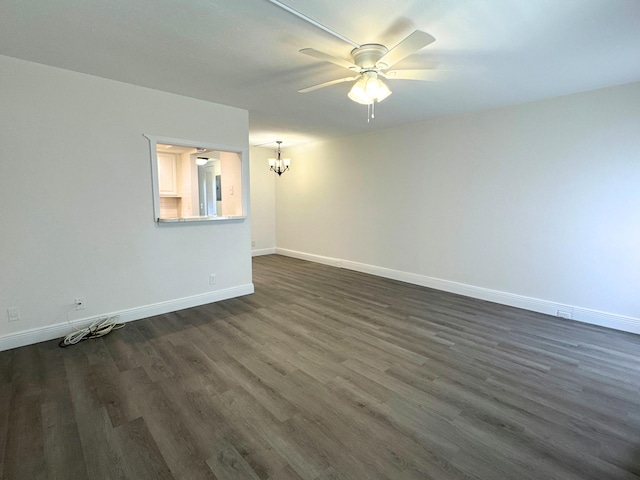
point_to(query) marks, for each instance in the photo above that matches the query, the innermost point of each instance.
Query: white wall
(263, 202)
(77, 212)
(536, 205)
(231, 183)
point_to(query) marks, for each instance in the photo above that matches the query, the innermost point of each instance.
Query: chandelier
(279, 165)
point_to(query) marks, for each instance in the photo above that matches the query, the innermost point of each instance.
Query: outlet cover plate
(13, 314)
(80, 303)
(565, 314)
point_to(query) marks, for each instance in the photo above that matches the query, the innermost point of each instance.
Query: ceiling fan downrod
(313, 22)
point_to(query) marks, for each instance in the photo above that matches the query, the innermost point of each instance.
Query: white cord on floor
(99, 328)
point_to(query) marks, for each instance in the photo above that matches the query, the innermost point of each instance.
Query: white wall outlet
(13, 314)
(253, 243)
(565, 314)
(212, 279)
(80, 303)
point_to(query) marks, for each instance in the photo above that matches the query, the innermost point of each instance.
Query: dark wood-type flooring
(325, 373)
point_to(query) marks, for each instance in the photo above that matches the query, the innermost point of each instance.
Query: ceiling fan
(369, 63)
(372, 61)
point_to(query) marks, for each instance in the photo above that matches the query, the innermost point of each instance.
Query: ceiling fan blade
(406, 47)
(330, 58)
(424, 75)
(326, 84)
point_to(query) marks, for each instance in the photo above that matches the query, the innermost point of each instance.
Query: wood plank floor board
(263, 393)
(626, 457)
(330, 309)
(148, 462)
(339, 452)
(326, 373)
(227, 464)
(301, 452)
(6, 370)
(364, 427)
(282, 345)
(615, 354)
(288, 473)
(281, 365)
(24, 447)
(172, 367)
(60, 431)
(301, 331)
(352, 436)
(183, 440)
(579, 413)
(62, 451)
(552, 459)
(204, 371)
(510, 410)
(100, 450)
(113, 394)
(505, 413)
(394, 350)
(249, 429)
(325, 329)
(6, 394)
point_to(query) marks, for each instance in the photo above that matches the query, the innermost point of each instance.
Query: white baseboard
(584, 315)
(263, 251)
(35, 335)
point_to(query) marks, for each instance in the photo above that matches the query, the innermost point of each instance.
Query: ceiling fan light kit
(368, 89)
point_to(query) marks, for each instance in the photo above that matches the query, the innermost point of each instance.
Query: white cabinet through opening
(167, 174)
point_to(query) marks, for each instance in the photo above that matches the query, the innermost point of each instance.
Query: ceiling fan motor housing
(368, 55)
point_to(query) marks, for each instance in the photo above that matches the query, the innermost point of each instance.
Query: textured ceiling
(244, 53)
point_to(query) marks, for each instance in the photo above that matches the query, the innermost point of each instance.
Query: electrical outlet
(253, 243)
(565, 314)
(212, 279)
(13, 314)
(80, 303)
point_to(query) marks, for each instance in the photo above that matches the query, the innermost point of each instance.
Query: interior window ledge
(201, 219)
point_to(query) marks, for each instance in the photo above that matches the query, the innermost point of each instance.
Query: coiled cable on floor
(98, 328)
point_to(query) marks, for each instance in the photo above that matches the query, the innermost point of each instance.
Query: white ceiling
(244, 53)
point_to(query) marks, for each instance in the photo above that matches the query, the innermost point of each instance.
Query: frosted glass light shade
(377, 89)
(358, 94)
(368, 89)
